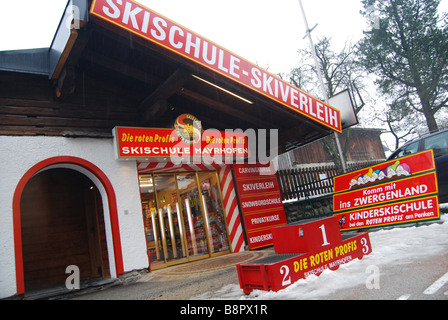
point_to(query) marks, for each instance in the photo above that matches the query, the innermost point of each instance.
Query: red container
(307, 236)
(303, 249)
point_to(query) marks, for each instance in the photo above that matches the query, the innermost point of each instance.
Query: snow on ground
(394, 246)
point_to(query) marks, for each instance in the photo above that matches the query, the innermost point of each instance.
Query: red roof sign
(156, 28)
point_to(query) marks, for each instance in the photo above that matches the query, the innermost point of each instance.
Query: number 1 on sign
(324, 236)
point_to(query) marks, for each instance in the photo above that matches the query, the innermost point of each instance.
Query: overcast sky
(265, 32)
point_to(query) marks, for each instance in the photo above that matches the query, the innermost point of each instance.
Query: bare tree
(340, 71)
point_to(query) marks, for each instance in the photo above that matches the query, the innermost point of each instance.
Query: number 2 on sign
(324, 236)
(286, 278)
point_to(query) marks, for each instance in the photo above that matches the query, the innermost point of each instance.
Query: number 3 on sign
(365, 246)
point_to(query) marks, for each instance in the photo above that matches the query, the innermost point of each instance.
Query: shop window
(184, 217)
(214, 212)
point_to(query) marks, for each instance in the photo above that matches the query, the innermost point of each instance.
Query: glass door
(169, 217)
(214, 212)
(184, 217)
(156, 252)
(163, 221)
(195, 228)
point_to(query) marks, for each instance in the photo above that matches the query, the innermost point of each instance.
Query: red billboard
(394, 190)
(406, 166)
(260, 201)
(135, 143)
(150, 25)
(395, 213)
(301, 250)
(398, 191)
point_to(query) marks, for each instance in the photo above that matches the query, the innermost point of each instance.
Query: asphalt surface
(416, 280)
(181, 282)
(406, 281)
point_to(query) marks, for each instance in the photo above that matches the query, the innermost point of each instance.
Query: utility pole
(319, 74)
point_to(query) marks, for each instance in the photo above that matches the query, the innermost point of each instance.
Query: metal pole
(313, 50)
(319, 74)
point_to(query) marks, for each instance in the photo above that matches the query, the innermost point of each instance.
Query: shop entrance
(62, 224)
(184, 217)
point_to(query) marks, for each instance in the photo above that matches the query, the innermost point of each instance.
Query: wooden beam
(71, 113)
(155, 104)
(37, 121)
(64, 56)
(299, 135)
(292, 132)
(55, 131)
(257, 122)
(65, 70)
(66, 83)
(120, 67)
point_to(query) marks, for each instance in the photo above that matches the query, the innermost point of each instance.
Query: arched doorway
(62, 224)
(102, 182)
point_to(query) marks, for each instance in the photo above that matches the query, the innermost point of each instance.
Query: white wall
(19, 154)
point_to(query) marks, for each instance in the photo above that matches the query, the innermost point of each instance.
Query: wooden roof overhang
(108, 76)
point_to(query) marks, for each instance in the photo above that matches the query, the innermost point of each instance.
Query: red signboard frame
(399, 191)
(260, 202)
(395, 213)
(150, 25)
(141, 143)
(394, 190)
(417, 163)
(301, 250)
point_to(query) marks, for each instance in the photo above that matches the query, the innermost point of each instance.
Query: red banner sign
(134, 143)
(158, 29)
(301, 266)
(303, 249)
(398, 191)
(400, 212)
(414, 164)
(392, 191)
(261, 202)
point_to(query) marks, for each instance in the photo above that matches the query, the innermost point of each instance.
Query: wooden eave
(111, 77)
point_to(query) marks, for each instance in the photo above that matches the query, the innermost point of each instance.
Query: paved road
(425, 279)
(407, 277)
(180, 282)
(154, 287)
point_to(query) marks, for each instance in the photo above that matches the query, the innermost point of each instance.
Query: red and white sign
(406, 188)
(138, 143)
(399, 212)
(403, 167)
(260, 201)
(157, 29)
(304, 249)
(398, 191)
(308, 236)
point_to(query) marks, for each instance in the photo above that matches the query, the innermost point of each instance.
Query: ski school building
(134, 143)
